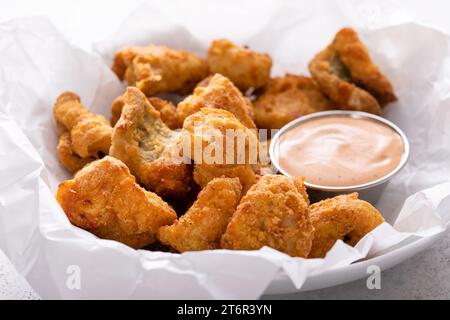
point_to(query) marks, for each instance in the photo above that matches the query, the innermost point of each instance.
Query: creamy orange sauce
(340, 151)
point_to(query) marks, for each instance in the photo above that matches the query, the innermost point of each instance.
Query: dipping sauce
(339, 151)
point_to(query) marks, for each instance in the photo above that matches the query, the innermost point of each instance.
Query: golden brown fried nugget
(168, 177)
(301, 188)
(166, 111)
(273, 213)
(67, 157)
(212, 127)
(142, 141)
(220, 93)
(116, 110)
(90, 134)
(205, 173)
(201, 227)
(158, 69)
(286, 99)
(329, 73)
(105, 199)
(245, 68)
(355, 56)
(264, 166)
(205, 82)
(347, 75)
(220, 126)
(344, 217)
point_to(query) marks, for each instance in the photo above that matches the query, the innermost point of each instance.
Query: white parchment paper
(37, 63)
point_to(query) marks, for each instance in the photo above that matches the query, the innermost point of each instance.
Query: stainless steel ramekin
(370, 191)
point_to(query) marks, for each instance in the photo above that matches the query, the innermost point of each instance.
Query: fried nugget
(344, 217)
(245, 68)
(67, 157)
(205, 173)
(264, 166)
(205, 82)
(166, 111)
(105, 199)
(220, 93)
(202, 226)
(220, 146)
(159, 69)
(90, 134)
(116, 110)
(301, 188)
(143, 142)
(286, 99)
(355, 56)
(345, 72)
(273, 213)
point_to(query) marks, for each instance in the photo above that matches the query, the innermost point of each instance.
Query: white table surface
(425, 276)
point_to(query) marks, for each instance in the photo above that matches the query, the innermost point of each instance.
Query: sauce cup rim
(343, 113)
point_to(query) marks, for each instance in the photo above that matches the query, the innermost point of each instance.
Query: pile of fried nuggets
(128, 186)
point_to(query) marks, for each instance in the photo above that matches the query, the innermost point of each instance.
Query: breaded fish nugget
(143, 142)
(245, 68)
(344, 217)
(105, 199)
(201, 227)
(286, 99)
(90, 134)
(273, 213)
(220, 93)
(347, 75)
(166, 111)
(209, 126)
(159, 69)
(67, 157)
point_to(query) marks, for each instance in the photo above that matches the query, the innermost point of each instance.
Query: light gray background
(425, 276)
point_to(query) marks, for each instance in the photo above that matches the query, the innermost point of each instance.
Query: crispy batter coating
(222, 127)
(331, 76)
(105, 199)
(355, 56)
(211, 127)
(67, 157)
(288, 98)
(91, 138)
(116, 110)
(143, 142)
(264, 166)
(344, 217)
(90, 134)
(202, 226)
(166, 111)
(301, 188)
(158, 69)
(168, 177)
(68, 110)
(347, 75)
(273, 213)
(245, 68)
(205, 173)
(220, 93)
(205, 82)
